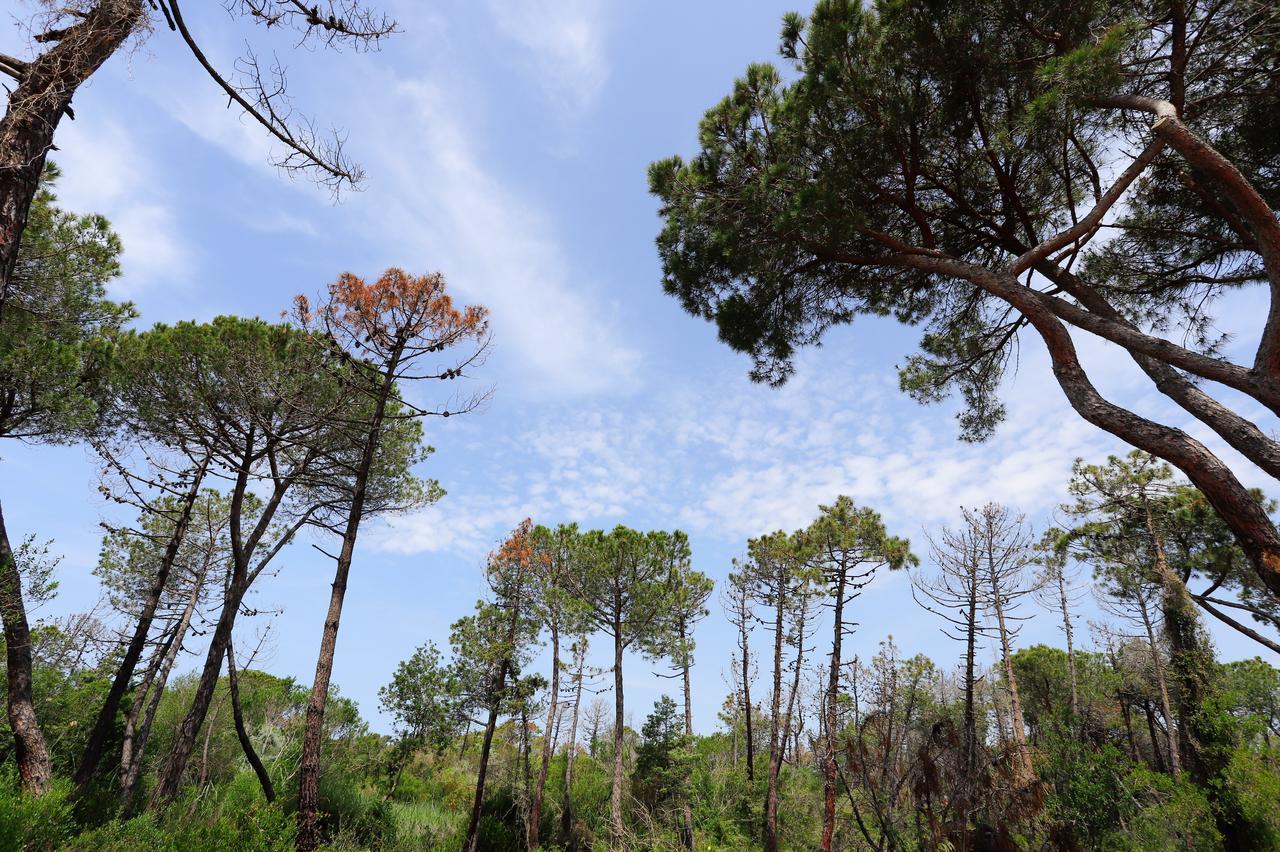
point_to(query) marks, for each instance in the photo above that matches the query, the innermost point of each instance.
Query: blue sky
(506, 145)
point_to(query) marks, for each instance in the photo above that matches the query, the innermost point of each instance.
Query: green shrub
(33, 823)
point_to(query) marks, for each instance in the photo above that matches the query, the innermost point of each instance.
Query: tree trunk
(686, 838)
(535, 811)
(135, 744)
(746, 706)
(36, 106)
(203, 774)
(185, 737)
(105, 721)
(34, 767)
(566, 813)
(233, 684)
(830, 724)
(775, 756)
(1166, 706)
(1027, 772)
(486, 744)
(1071, 657)
(616, 826)
(313, 730)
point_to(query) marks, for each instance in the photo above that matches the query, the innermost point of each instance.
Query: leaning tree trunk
(242, 733)
(313, 728)
(1026, 773)
(184, 739)
(135, 736)
(92, 755)
(486, 744)
(37, 104)
(1162, 682)
(34, 767)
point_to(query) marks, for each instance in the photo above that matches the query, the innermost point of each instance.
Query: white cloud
(564, 43)
(443, 209)
(105, 172)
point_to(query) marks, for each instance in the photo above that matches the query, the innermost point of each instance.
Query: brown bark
(775, 750)
(616, 826)
(486, 744)
(535, 810)
(36, 106)
(566, 814)
(686, 838)
(135, 744)
(94, 747)
(309, 767)
(1166, 705)
(830, 724)
(34, 767)
(1026, 771)
(242, 733)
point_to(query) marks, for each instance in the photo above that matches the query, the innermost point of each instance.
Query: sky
(506, 144)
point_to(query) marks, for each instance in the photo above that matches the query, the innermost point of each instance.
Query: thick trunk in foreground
(242, 733)
(92, 755)
(535, 811)
(34, 767)
(38, 103)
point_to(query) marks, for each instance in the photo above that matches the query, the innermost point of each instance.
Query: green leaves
(56, 324)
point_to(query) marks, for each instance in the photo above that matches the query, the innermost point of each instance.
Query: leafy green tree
(847, 544)
(56, 328)
(953, 165)
(663, 757)
(625, 586)
(423, 698)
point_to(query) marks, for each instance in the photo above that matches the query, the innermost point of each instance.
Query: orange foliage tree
(380, 334)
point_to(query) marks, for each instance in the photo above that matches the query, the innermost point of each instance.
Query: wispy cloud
(563, 43)
(448, 211)
(104, 171)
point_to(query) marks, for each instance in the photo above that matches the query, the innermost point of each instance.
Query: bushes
(33, 824)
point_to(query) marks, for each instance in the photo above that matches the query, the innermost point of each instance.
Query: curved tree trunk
(242, 733)
(34, 766)
(92, 755)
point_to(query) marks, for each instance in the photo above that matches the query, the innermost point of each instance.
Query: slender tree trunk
(746, 705)
(92, 754)
(687, 838)
(566, 813)
(242, 733)
(34, 767)
(36, 106)
(535, 811)
(1071, 656)
(308, 837)
(775, 756)
(616, 826)
(135, 744)
(1016, 719)
(185, 737)
(1157, 752)
(1128, 730)
(1166, 705)
(210, 724)
(486, 744)
(829, 710)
